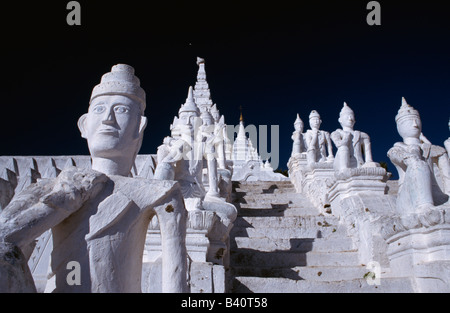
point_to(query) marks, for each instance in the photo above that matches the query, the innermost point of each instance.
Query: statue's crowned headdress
(189, 105)
(346, 110)
(406, 111)
(121, 81)
(298, 120)
(314, 113)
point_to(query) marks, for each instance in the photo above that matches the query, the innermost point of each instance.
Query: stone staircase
(281, 243)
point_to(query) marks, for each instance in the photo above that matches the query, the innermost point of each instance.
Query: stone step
(304, 227)
(278, 210)
(275, 205)
(293, 244)
(308, 221)
(301, 211)
(264, 191)
(265, 184)
(278, 197)
(289, 233)
(329, 273)
(255, 258)
(268, 203)
(284, 285)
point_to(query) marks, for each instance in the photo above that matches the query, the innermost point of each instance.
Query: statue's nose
(108, 117)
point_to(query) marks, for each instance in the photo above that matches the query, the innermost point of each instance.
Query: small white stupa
(247, 163)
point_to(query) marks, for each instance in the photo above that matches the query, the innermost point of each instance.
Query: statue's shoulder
(363, 134)
(144, 191)
(398, 147)
(338, 131)
(80, 178)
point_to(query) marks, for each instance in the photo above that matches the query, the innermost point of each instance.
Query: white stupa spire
(243, 149)
(202, 93)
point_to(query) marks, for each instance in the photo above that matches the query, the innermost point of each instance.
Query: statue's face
(187, 118)
(315, 122)
(347, 120)
(112, 125)
(216, 116)
(207, 121)
(410, 127)
(298, 127)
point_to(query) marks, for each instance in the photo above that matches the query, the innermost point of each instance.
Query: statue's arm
(311, 141)
(32, 212)
(172, 217)
(367, 147)
(329, 145)
(338, 138)
(447, 146)
(398, 155)
(46, 203)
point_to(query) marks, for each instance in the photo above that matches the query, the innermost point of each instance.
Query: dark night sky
(275, 59)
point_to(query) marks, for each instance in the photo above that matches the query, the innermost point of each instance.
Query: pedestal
(423, 254)
(358, 197)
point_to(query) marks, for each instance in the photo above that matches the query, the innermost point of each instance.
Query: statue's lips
(108, 131)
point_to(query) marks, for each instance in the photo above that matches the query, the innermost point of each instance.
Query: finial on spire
(200, 61)
(190, 94)
(241, 119)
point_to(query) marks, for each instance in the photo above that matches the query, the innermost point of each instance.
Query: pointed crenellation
(51, 170)
(69, 163)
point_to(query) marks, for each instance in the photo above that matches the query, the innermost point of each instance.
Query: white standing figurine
(298, 145)
(418, 190)
(354, 147)
(99, 217)
(318, 142)
(181, 156)
(447, 142)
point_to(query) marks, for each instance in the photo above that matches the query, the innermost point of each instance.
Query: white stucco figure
(318, 142)
(298, 145)
(189, 156)
(447, 142)
(99, 217)
(183, 158)
(418, 191)
(354, 147)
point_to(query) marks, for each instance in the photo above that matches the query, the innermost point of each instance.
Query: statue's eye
(98, 109)
(120, 109)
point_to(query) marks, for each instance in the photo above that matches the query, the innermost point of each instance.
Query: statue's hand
(414, 150)
(175, 154)
(314, 138)
(342, 139)
(346, 138)
(411, 159)
(73, 187)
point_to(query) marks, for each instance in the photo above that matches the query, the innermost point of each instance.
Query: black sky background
(273, 58)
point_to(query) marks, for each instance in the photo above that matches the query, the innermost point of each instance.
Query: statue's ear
(81, 125)
(142, 125)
